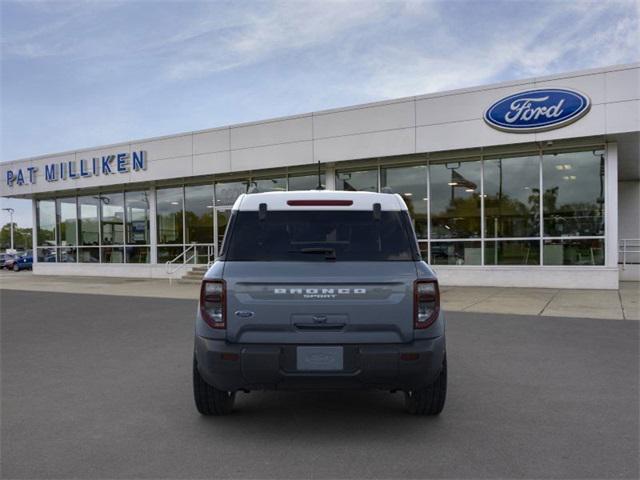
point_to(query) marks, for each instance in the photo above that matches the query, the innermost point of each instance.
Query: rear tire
(16, 268)
(210, 400)
(429, 400)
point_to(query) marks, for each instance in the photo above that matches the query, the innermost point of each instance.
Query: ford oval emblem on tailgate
(244, 314)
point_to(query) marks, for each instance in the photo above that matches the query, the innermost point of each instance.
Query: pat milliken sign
(537, 110)
(115, 164)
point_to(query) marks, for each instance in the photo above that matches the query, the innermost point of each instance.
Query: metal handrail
(185, 261)
(628, 245)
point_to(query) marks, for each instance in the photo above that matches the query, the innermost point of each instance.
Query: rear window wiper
(330, 253)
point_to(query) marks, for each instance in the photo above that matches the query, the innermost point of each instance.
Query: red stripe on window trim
(319, 203)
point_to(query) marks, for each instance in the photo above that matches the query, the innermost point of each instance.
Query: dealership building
(529, 183)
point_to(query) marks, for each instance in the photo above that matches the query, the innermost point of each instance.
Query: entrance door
(221, 220)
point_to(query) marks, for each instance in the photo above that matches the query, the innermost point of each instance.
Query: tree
(21, 237)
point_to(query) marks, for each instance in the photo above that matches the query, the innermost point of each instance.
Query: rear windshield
(320, 236)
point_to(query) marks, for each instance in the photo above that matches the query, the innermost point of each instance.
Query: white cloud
(369, 36)
(285, 27)
(528, 48)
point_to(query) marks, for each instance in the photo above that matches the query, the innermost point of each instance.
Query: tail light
(213, 303)
(426, 303)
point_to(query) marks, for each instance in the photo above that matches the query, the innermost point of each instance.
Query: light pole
(11, 212)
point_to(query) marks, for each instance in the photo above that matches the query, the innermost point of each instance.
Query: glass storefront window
(88, 227)
(455, 200)
(89, 255)
(112, 218)
(411, 184)
(137, 218)
(512, 197)
(306, 182)
(228, 192)
(67, 221)
(204, 254)
(198, 213)
(363, 180)
(112, 255)
(456, 253)
(573, 198)
(169, 208)
(137, 254)
(46, 218)
(573, 252)
(512, 252)
(259, 185)
(115, 227)
(47, 254)
(67, 255)
(166, 254)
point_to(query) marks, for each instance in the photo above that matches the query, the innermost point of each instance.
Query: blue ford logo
(537, 110)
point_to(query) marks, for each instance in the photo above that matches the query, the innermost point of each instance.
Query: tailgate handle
(320, 326)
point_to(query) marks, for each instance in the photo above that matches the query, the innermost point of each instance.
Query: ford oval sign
(537, 110)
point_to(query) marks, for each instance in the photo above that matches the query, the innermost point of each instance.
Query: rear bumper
(233, 367)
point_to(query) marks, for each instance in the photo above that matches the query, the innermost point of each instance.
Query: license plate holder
(320, 359)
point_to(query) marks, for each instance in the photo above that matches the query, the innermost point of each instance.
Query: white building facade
(531, 183)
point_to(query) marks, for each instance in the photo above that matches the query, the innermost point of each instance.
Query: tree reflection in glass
(198, 213)
(512, 197)
(573, 199)
(364, 180)
(228, 192)
(455, 199)
(88, 221)
(46, 222)
(411, 184)
(169, 215)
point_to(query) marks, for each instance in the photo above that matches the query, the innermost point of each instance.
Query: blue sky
(80, 74)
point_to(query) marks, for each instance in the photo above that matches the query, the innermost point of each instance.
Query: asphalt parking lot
(98, 386)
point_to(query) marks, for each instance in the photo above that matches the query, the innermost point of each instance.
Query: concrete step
(199, 270)
(193, 276)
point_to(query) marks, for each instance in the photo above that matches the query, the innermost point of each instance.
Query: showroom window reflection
(449, 222)
(46, 230)
(512, 197)
(455, 199)
(540, 208)
(89, 229)
(573, 196)
(94, 228)
(137, 225)
(359, 180)
(411, 183)
(67, 223)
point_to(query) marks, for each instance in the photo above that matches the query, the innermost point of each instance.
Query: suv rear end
(319, 290)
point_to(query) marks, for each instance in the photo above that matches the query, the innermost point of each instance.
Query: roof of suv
(319, 200)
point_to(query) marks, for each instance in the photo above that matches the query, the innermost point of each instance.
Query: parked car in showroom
(23, 262)
(320, 290)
